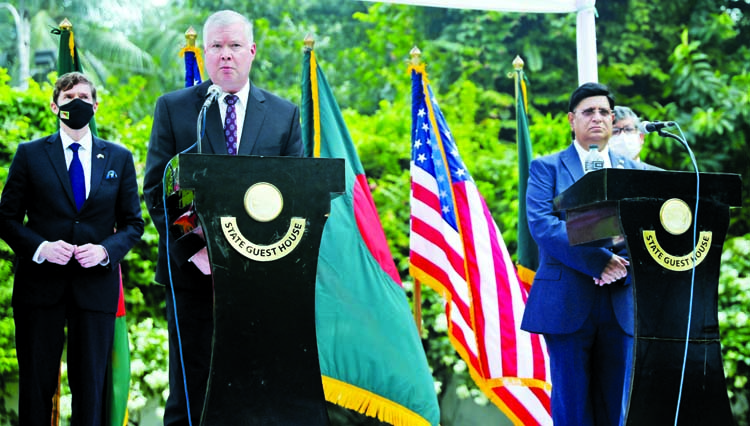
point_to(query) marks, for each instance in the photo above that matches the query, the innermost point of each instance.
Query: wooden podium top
(608, 185)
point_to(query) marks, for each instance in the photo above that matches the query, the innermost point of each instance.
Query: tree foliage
(684, 60)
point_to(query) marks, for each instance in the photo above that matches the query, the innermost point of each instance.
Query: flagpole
(416, 59)
(64, 25)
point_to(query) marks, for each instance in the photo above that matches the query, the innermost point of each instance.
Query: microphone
(214, 91)
(655, 126)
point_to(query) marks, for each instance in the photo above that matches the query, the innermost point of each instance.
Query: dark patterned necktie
(230, 125)
(77, 178)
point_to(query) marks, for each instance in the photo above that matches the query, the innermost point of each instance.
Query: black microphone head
(649, 127)
(655, 126)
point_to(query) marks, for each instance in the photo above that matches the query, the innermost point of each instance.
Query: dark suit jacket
(38, 188)
(563, 291)
(271, 128)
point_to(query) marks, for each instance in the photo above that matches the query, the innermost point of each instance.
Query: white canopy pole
(586, 41)
(585, 23)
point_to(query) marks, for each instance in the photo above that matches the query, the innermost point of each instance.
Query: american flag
(457, 249)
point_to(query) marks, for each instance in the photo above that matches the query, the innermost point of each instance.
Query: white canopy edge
(585, 23)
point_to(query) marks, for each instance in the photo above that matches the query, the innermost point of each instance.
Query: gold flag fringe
(370, 404)
(525, 274)
(198, 57)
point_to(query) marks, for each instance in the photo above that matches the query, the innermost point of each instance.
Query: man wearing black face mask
(79, 197)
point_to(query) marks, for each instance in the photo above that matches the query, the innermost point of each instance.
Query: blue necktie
(77, 178)
(230, 125)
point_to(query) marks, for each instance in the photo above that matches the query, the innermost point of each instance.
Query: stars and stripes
(457, 249)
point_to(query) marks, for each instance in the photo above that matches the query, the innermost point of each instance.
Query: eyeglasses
(626, 130)
(603, 112)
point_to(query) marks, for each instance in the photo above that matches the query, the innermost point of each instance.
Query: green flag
(371, 356)
(528, 253)
(67, 57)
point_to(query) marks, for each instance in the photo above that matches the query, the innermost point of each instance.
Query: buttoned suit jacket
(563, 291)
(271, 128)
(38, 189)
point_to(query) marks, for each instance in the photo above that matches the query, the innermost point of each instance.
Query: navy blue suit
(271, 128)
(588, 328)
(45, 295)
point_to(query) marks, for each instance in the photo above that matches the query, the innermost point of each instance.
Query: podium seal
(675, 216)
(263, 202)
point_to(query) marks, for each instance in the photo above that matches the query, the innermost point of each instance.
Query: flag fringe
(198, 57)
(370, 404)
(420, 69)
(316, 104)
(72, 47)
(525, 274)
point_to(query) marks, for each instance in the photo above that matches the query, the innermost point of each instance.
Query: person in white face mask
(627, 136)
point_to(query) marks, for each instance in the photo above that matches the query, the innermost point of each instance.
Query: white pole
(586, 41)
(22, 32)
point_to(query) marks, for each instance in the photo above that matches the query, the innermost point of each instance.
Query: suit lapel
(213, 133)
(99, 163)
(56, 156)
(214, 138)
(572, 162)
(255, 113)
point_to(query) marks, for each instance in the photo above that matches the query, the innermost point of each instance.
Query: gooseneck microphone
(655, 126)
(213, 93)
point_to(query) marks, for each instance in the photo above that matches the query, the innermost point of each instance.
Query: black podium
(262, 219)
(654, 212)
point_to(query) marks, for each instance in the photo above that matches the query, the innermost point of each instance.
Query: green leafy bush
(734, 322)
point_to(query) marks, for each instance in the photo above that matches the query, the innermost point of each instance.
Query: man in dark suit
(244, 120)
(79, 227)
(580, 299)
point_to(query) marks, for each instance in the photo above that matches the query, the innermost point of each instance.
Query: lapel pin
(99, 155)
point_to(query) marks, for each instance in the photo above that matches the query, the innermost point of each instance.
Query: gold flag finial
(309, 42)
(518, 63)
(191, 36)
(416, 56)
(66, 25)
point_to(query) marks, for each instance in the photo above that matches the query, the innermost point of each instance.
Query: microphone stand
(201, 128)
(682, 140)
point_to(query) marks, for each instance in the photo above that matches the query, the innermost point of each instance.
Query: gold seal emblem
(675, 216)
(263, 202)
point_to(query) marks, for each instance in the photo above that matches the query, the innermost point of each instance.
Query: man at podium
(241, 119)
(580, 299)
